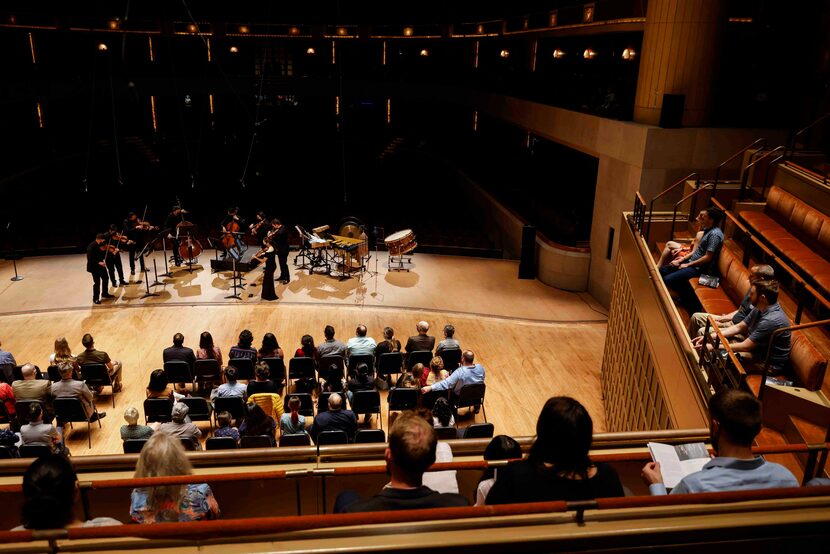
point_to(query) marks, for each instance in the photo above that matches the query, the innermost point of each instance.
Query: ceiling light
(629, 54)
(294, 31)
(504, 53)
(311, 51)
(234, 49)
(408, 31)
(424, 53)
(589, 54)
(102, 47)
(558, 54)
(244, 29)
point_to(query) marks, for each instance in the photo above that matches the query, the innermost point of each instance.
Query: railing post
(810, 466)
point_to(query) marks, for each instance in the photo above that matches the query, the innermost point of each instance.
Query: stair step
(770, 437)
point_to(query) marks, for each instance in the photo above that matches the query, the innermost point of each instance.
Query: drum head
(398, 236)
(349, 227)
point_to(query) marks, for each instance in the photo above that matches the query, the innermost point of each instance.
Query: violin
(118, 237)
(255, 226)
(145, 226)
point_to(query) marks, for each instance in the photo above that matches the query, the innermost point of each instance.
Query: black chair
(21, 410)
(428, 399)
(276, 367)
(297, 439)
(478, 431)
(17, 373)
(54, 373)
(96, 376)
(134, 446)
(198, 409)
(178, 372)
(452, 359)
(207, 371)
(301, 368)
(471, 396)
(400, 399)
(34, 451)
(332, 437)
(446, 433)
(220, 443)
(390, 364)
(7, 453)
(367, 359)
(188, 444)
(326, 362)
(306, 404)
(157, 410)
(244, 368)
(367, 402)
(323, 401)
(418, 357)
(69, 410)
(234, 405)
(365, 436)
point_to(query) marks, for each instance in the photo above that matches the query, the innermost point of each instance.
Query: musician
(259, 228)
(113, 259)
(133, 228)
(96, 266)
(229, 230)
(267, 256)
(279, 240)
(232, 216)
(170, 224)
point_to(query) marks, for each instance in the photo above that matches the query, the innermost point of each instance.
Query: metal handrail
(751, 165)
(769, 167)
(717, 342)
(691, 194)
(802, 131)
(696, 175)
(761, 141)
(639, 212)
(777, 332)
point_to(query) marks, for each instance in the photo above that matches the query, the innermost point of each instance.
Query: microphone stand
(13, 255)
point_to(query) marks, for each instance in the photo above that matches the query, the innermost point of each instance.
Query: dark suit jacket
(179, 354)
(414, 499)
(342, 420)
(280, 241)
(93, 256)
(420, 342)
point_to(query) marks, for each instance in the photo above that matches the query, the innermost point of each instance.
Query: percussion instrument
(349, 227)
(349, 244)
(320, 229)
(401, 242)
(350, 247)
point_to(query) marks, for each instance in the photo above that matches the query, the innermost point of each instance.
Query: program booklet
(676, 462)
(710, 281)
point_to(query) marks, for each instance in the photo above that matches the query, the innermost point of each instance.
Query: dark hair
(768, 289)
(388, 333)
(178, 339)
(361, 330)
(246, 338)
(206, 344)
(87, 340)
(412, 443)
(256, 421)
(501, 447)
(262, 371)
(329, 332)
(223, 419)
(715, 214)
(158, 381)
(334, 378)
(100, 236)
(269, 343)
(49, 493)
(293, 407)
(442, 411)
(35, 410)
(738, 413)
(230, 374)
(362, 368)
(564, 432)
(307, 343)
(449, 331)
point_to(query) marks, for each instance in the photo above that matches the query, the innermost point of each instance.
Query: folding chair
(331, 437)
(326, 362)
(54, 373)
(367, 402)
(400, 399)
(478, 431)
(198, 409)
(428, 399)
(446, 433)
(7, 453)
(470, 396)
(419, 357)
(207, 371)
(134, 446)
(69, 410)
(296, 439)
(188, 444)
(34, 451)
(367, 359)
(244, 368)
(301, 368)
(157, 410)
(390, 364)
(276, 368)
(21, 410)
(234, 405)
(323, 401)
(451, 358)
(220, 443)
(365, 436)
(306, 404)
(96, 376)
(179, 372)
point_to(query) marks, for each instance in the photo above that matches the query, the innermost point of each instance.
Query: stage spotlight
(505, 53)
(113, 24)
(408, 31)
(629, 54)
(589, 54)
(234, 49)
(341, 31)
(102, 47)
(424, 53)
(243, 29)
(480, 29)
(311, 51)
(558, 54)
(294, 31)
(192, 28)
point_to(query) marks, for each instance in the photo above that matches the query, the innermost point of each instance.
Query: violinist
(95, 265)
(170, 225)
(259, 228)
(115, 241)
(267, 255)
(134, 227)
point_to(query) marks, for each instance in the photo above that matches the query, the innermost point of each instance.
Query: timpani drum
(401, 242)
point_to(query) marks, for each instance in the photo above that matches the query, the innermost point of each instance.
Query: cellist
(231, 226)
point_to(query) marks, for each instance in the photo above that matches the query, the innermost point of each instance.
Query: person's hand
(697, 342)
(675, 262)
(102, 264)
(425, 390)
(684, 266)
(651, 473)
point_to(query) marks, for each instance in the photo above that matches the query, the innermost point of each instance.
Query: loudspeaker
(527, 262)
(671, 115)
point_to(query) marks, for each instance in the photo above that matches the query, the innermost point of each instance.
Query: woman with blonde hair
(62, 353)
(164, 456)
(436, 372)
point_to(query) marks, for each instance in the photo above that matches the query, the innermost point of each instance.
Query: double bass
(189, 248)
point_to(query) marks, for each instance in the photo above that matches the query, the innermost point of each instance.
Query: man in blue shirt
(704, 258)
(360, 344)
(469, 373)
(734, 422)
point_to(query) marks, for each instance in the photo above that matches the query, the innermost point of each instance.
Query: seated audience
(262, 382)
(436, 373)
(389, 343)
(292, 423)
(674, 250)
(164, 456)
(307, 349)
(758, 327)
(7, 363)
(224, 429)
(270, 347)
(469, 373)
(38, 433)
(207, 351)
(132, 430)
(256, 422)
(360, 344)
(411, 379)
(9, 439)
(558, 466)
(50, 493)
(68, 387)
(243, 348)
(92, 356)
(449, 343)
(159, 387)
(178, 352)
(32, 388)
(232, 388)
(734, 422)
(271, 404)
(180, 427)
(335, 419)
(62, 353)
(697, 323)
(331, 346)
(411, 451)
(501, 447)
(333, 380)
(7, 397)
(361, 379)
(442, 413)
(421, 341)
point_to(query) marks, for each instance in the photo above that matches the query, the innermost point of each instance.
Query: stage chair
(276, 367)
(446, 433)
(157, 410)
(207, 371)
(478, 431)
(306, 404)
(400, 399)
(34, 451)
(296, 439)
(69, 410)
(323, 401)
(179, 372)
(389, 364)
(6, 453)
(53, 373)
(198, 409)
(244, 368)
(21, 410)
(301, 368)
(134, 446)
(367, 402)
(451, 358)
(188, 444)
(428, 399)
(471, 396)
(96, 375)
(367, 359)
(365, 436)
(326, 362)
(332, 437)
(234, 405)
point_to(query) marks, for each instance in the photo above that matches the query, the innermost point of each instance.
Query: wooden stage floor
(534, 341)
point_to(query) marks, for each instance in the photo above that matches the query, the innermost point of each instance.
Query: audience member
(271, 404)
(333, 380)
(262, 382)
(164, 456)
(159, 387)
(449, 343)
(38, 433)
(68, 387)
(469, 373)
(270, 347)
(361, 379)
(360, 344)
(389, 344)
(421, 341)
(256, 422)
(558, 466)
(50, 493)
(132, 430)
(224, 429)
(674, 250)
(180, 428)
(62, 353)
(411, 451)
(334, 419)
(697, 323)
(501, 447)
(232, 388)
(704, 259)
(7, 397)
(734, 422)
(307, 349)
(292, 423)
(7, 363)
(92, 356)
(331, 346)
(444, 481)
(243, 348)
(31, 388)
(442, 413)
(178, 352)
(207, 350)
(758, 327)
(436, 373)
(411, 379)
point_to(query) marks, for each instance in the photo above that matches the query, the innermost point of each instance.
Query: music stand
(148, 294)
(239, 285)
(12, 256)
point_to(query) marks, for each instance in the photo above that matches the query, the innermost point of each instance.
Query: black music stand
(305, 250)
(237, 283)
(164, 251)
(12, 256)
(148, 294)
